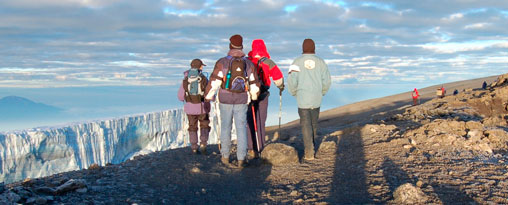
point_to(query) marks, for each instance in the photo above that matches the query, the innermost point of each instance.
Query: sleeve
(253, 82)
(215, 81)
(326, 78)
(275, 72)
(294, 70)
(181, 93)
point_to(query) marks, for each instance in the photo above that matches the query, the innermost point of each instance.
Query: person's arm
(254, 83)
(215, 81)
(275, 73)
(326, 78)
(294, 70)
(181, 93)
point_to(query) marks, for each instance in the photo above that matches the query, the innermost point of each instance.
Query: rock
(70, 185)
(293, 193)
(94, 166)
(13, 197)
(408, 146)
(31, 200)
(419, 184)
(275, 136)
(409, 194)
(475, 135)
(195, 170)
(473, 125)
(484, 147)
(82, 190)
(279, 154)
(329, 145)
(45, 190)
(41, 200)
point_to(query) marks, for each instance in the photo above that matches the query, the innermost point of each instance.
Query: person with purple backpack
(236, 83)
(192, 92)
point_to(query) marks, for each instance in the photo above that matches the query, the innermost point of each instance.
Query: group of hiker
(239, 84)
(440, 93)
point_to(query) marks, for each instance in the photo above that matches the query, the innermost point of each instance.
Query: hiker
(415, 96)
(308, 80)
(265, 68)
(484, 85)
(455, 92)
(192, 92)
(237, 83)
(440, 92)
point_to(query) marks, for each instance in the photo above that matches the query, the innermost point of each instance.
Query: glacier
(46, 151)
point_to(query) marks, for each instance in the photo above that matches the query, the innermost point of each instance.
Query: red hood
(259, 48)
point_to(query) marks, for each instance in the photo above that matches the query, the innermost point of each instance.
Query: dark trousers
(261, 109)
(204, 122)
(309, 123)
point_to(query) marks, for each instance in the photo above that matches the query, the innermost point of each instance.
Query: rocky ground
(449, 150)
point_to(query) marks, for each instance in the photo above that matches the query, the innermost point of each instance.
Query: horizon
(73, 53)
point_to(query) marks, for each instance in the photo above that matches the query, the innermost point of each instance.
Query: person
(455, 92)
(192, 92)
(309, 80)
(484, 85)
(236, 82)
(415, 96)
(265, 68)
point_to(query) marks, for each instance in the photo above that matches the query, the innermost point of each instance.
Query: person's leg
(306, 124)
(193, 131)
(250, 129)
(263, 114)
(314, 113)
(204, 127)
(240, 115)
(226, 117)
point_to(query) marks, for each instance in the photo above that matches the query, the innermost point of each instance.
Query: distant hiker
(192, 92)
(265, 68)
(237, 83)
(484, 85)
(308, 80)
(455, 92)
(416, 97)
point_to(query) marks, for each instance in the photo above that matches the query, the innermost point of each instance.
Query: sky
(84, 43)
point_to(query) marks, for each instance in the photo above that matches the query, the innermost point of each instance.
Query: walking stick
(280, 109)
(217, 116)
(255, 127)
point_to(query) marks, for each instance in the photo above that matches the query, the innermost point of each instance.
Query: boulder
(409, 194)
(279, 154)
(70, 185)
(473, 125)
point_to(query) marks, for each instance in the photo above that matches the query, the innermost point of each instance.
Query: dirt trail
(366, 151)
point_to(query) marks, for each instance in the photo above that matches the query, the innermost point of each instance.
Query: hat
(196, 63)
(236, 41)
(308, 46)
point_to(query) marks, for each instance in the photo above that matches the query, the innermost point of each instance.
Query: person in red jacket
(266, 69)
(415, 96)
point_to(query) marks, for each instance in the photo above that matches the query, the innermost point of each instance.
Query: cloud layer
(54, 43)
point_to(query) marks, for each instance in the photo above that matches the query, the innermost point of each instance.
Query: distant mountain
(19, 108)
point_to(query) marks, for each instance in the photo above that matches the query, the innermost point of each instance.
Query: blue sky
(80, 43)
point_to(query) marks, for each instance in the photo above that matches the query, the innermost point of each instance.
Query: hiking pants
(204, 122)
(239, 113)
(261, 109)
(309, 123)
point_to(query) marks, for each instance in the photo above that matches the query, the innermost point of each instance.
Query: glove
(254, 97)
(281, 88)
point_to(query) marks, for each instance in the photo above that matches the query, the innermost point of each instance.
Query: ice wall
(42, 152)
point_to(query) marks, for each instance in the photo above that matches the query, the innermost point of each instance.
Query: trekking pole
(280, 109)
(217, 115)
(255, 127)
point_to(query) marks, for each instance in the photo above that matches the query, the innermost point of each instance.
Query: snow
(43, 152)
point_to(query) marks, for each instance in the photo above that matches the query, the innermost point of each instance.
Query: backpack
(192, 84)
(264, 88)
(236, 78)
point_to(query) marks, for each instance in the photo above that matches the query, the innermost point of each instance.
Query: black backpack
(236, 78)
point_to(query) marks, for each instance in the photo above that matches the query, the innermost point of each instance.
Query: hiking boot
(194, 151)
(202, 149)
(242, 164)
(251, 154)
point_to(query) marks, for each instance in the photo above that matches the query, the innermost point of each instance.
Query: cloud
(110, 42)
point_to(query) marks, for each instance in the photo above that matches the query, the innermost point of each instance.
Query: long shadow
(448, 194)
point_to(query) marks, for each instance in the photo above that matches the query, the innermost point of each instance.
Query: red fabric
(259, 48)
(415, 94)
